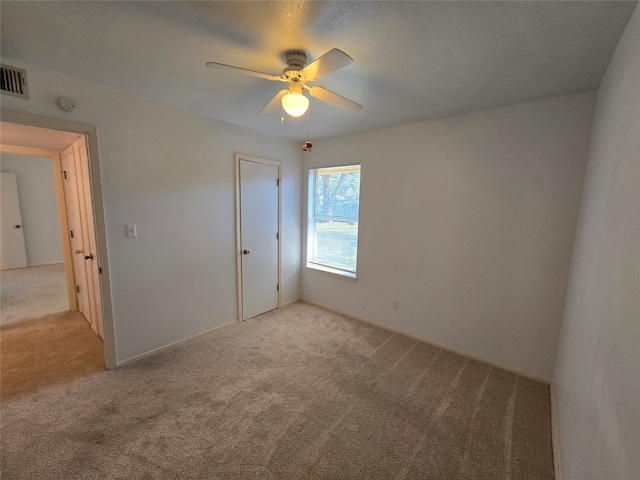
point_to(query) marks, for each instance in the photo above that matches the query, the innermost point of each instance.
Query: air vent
(13, 82)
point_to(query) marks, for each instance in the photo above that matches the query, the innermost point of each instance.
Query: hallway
(42, 343)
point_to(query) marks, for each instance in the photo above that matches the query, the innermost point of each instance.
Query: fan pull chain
(307, 145)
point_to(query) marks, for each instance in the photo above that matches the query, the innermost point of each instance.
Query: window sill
(332, 272)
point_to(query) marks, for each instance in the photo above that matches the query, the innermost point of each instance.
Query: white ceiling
(413, 61)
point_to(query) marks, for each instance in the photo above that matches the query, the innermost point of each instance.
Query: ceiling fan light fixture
(296, 74)
(295, 103)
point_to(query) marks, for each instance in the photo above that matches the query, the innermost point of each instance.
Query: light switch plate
(131, 230)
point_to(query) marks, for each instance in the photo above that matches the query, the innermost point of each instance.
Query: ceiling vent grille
(13, 81)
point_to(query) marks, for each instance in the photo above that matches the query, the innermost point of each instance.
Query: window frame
(312, 186)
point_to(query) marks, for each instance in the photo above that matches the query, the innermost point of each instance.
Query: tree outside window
(334, 197)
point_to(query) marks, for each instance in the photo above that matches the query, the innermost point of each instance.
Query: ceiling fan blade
(329, 62)
(274, 104)
(334, 99)
(253, 73)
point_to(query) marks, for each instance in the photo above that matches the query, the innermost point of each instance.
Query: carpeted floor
(45, 351)
(42, 343)
(296, 393)
(32, 292)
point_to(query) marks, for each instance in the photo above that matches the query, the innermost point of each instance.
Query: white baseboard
(58, 262)
(555, 440)
(290, 302)
(150, 353)
(155, 351)
(432, 342)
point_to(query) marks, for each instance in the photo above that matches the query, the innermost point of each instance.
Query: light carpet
(45, 351)
(42, 343)
(296, 393)
(32, 292)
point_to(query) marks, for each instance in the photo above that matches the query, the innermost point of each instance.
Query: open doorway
(83, 274)
(33, 285)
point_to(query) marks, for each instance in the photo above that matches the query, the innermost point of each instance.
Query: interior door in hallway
(88, 235)
(72, 202)
(13, 251)
(259, 236)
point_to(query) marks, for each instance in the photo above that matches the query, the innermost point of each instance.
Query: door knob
(18, 226)
(89, 257)
(246, 252)
(78, 252)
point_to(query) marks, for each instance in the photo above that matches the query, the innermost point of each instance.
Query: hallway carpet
(42, 343)
(45, 351)
(32, 292)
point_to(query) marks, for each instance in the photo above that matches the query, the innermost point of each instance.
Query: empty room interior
(309, 239)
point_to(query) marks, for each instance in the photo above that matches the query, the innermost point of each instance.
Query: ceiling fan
(296, 74)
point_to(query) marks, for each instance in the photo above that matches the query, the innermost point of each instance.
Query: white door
(88, 236)
(14, 253)
(259, 252)
(76, 240)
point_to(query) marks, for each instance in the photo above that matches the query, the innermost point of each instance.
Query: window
(334, 203)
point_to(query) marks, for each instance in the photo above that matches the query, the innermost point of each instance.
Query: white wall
(469, 222)
(171, 172)
(36, 192)
(596, 384)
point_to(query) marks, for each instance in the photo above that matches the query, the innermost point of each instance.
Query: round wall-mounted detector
(67, 104)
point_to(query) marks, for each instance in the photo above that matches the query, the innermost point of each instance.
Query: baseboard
(153, 352)
(165, 347)
(58, 262)
(290, 302)
(432, 342)
(555, 439)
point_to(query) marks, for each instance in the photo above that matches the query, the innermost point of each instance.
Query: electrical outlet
(131, 231)
(394, 304)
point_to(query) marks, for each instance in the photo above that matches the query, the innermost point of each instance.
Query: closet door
(14, 253)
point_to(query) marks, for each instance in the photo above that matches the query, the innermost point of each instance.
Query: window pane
(336, 245)
(335, 202)
(337, 192)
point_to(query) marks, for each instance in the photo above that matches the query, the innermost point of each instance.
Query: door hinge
(71, 233)
(77, 288)
(278, 287)
(277, 182)
(100, 270)
(277, 236)
(64, 172)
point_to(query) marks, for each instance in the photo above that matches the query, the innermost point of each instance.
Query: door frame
(91, 139)
(239, 157)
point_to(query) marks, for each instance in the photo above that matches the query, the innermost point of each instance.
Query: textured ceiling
(413, 61)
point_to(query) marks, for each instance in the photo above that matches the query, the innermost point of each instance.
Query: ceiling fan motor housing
(296, 61)
(296, 58)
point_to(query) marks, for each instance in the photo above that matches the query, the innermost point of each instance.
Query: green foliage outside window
(336, 204)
